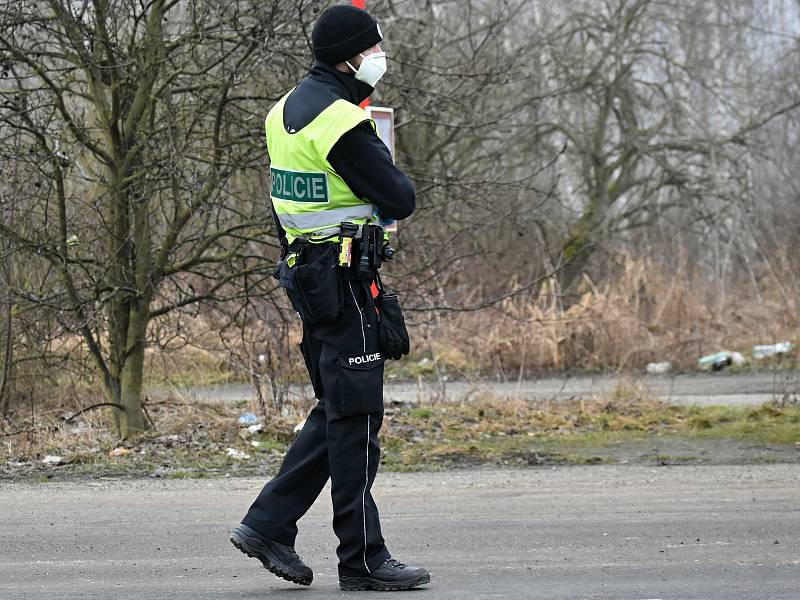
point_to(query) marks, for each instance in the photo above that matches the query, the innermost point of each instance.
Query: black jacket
(360, 158)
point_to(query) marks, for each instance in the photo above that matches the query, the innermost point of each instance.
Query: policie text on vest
(299, 186)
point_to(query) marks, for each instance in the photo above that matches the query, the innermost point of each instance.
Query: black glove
(392, 333)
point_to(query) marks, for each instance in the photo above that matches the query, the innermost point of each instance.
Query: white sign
(384, 123)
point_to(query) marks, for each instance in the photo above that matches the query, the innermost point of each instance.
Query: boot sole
(268, 559)
(362, 584)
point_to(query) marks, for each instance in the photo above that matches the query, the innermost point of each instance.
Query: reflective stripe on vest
(329, 219)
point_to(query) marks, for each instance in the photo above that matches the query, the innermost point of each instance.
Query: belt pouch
(318, 286)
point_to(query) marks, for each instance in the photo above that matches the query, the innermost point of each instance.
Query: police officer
(332, 182)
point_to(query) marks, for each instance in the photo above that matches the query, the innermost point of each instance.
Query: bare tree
(548, 131)
(133, 128)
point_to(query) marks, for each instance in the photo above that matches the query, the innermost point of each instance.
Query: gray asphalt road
(730, 389)
(623, 533)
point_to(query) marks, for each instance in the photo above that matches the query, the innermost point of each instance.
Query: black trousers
(338, 441)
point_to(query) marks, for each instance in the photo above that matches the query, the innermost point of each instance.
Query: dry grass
(192, 439)
(643, 316)
(502, 430)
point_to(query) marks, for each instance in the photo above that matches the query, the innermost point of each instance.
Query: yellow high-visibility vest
(309, 197)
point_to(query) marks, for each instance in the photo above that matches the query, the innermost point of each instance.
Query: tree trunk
(8, 343)
(577, 251)
(126, 367)
(132, 420)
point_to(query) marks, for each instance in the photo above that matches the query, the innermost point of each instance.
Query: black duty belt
(362, 250)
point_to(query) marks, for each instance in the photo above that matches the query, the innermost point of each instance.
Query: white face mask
(371, 69)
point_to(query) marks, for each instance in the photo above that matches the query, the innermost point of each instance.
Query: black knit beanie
(341, 32)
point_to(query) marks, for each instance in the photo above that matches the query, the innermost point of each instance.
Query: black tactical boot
(390, 576)
(278, 558)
